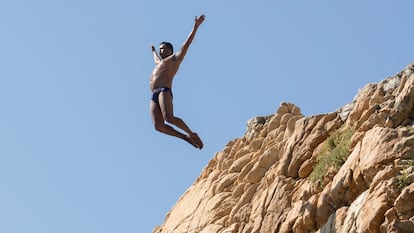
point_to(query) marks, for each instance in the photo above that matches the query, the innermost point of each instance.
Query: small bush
(403, 180)
(334, 153)
(410, 163)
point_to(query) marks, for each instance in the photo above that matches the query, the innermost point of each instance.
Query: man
(161, 107)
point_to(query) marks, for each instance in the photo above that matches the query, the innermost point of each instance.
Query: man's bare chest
(166, 68)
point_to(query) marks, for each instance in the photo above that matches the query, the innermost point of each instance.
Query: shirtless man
(161, 107)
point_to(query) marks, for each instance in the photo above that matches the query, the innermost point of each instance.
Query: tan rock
(259, 182)
(404, 204)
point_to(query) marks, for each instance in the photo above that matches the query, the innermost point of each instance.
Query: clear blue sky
(78, 152)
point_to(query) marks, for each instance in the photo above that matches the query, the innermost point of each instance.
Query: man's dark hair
(168, 44)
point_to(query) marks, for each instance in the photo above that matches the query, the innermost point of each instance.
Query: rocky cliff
(351, 170)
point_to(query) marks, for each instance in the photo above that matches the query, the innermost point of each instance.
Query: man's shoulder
(173, 59)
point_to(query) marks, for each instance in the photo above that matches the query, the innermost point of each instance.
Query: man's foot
(192, 142)
(197, 140)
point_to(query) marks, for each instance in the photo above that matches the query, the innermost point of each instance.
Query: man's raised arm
(197, 22)
(157, 57)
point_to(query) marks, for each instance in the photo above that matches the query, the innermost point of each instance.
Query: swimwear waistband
(161, 89)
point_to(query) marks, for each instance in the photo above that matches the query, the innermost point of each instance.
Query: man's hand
(199, 20)
(157, 57)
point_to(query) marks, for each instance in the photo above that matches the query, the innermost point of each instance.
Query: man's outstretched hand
(199, 20)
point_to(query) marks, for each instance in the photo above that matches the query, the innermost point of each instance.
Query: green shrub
(410, 163)
(403, 179)
(334, 153)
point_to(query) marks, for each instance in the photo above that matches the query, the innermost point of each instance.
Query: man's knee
(159, 127)
(171, 119)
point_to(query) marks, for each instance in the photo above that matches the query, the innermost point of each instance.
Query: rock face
(262, 182)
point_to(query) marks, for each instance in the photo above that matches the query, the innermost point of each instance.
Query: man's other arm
(157, 57)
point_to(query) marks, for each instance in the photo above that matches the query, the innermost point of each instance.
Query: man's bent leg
(167, 109)
(181, 124)
(160, 126)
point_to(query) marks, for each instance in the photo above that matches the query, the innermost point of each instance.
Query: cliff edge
(351, 170)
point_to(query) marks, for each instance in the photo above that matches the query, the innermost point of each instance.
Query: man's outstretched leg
(181, 124)
(160, 125)
(166, 107)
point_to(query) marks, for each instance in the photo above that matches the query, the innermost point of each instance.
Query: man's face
(165, 51)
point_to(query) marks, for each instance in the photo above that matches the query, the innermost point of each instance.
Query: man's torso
(163, 73)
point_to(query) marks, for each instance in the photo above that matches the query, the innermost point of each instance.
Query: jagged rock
(261, 181)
